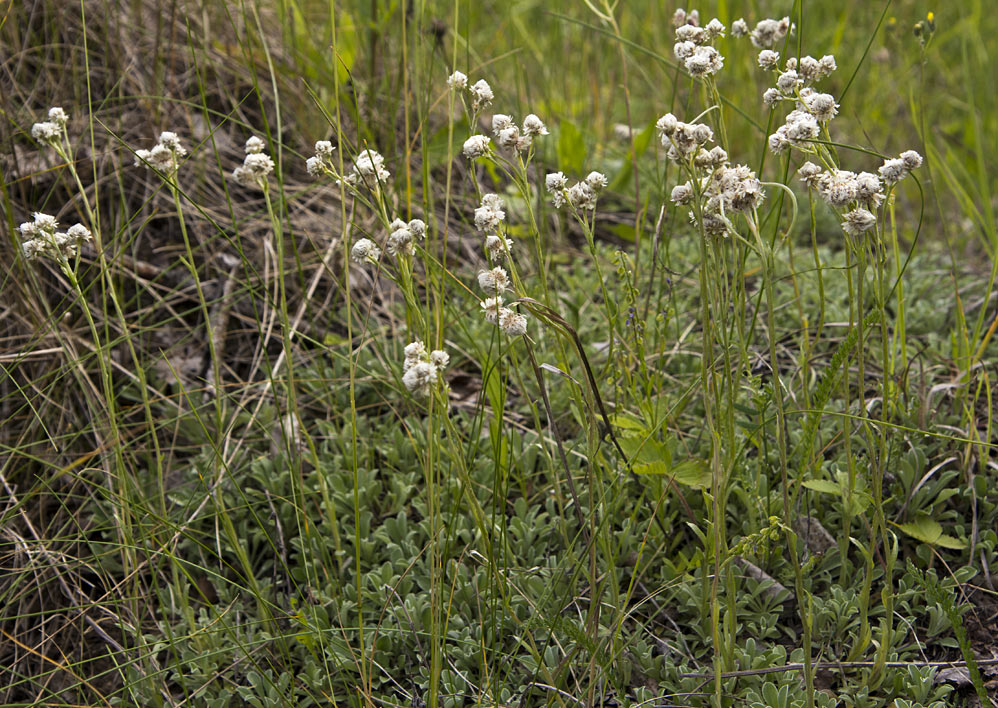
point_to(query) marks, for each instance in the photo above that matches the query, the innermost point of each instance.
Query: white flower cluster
(724, 189)
(421, 369)
(368, 169)
(694, 44)
(580, 196)
(861, 194)
(480, 91)
(490, 215)
(768, 32)
(509, 135)
(50, 131)
(403, 235)
(165, 156)
(488, 218)
(684, 140)
(40, 238)
(813, 109)
(321, 163)
(256, 166)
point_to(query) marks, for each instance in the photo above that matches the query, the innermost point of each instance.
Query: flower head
(858, 221)
(476, 146)
(481, 94)
(164, 156)
(58, 116)
(490, 214)
(457, 81)
(769, 32)
(254, 170)
(532, 125)
(40, 238)
(491, 307)
(365, 251)
(511, 323)
(493, 281)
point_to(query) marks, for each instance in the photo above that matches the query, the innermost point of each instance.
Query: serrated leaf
(923, 528)
(946, 541)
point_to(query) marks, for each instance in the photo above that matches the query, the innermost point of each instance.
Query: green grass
(752, 469)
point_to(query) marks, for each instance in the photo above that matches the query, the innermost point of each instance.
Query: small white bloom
(704, 61)
(419, 378)
(171, 141)
(58, 116)
(808, 173)
(768, 32)
(666, 125)
(365, 251)
(491, 307)
(493, 281)
(788, 82)
(481, 94)
(771, 97)
(684, 50)
(682, 193)
(314, 166)
(476, 146)
(768, 59)
(596, 180)
(500, 122)
(511, 323)
(46, 132)
(838, 187)
(739, 28)
(79, 233)
(532, 125)
(893, 171)
(457, 81)
(324, 149)
(582, 196)
(702, 133)
(414, 352)
(400, 240)
(439, 359)
(490, 214)
(858, 221)
(508, 137)
(827, 64)
(690, 33)
(418, 228)
(496, 245)
(911, 160)
(556, 181)
(868, 189)
(622, 131)
(254, 170)
(715, 28)
(254, 145)
(821, 105)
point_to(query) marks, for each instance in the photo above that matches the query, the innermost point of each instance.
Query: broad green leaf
(824, 486)
(946, 541)
(923, 528)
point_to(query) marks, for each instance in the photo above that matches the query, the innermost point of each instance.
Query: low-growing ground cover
(442, 354)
